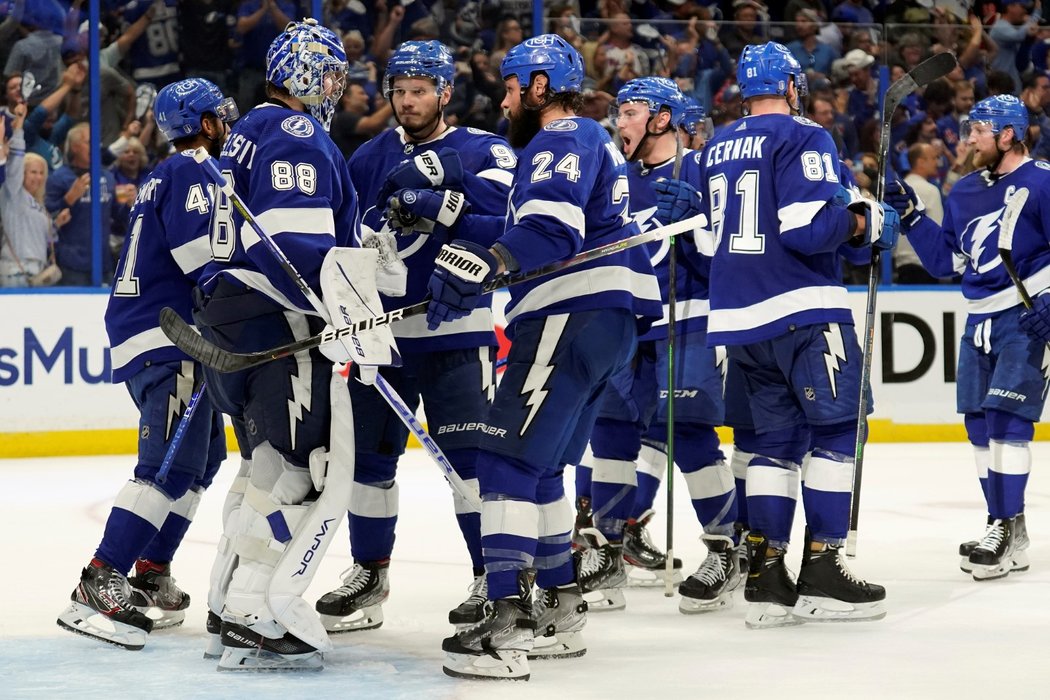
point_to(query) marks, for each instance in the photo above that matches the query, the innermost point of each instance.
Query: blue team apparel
(299, 190)
(488, 168)
(155, 55)
(571, 194)
(776, 262)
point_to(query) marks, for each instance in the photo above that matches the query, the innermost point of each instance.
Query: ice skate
(560, 615)
(246, 650)
(711, 587)
(155, 595)
(357, 604)
(769, 590)
(740, 531)
(497, 647)
(996, 555)
(829, 592)
(101, 608)
(584, 520)
(213, 625)
(472, 609)
(600, 572)
(645, 564)
(1020, 556)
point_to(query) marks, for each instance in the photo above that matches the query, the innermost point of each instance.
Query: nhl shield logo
(145, 432)
(811, 395)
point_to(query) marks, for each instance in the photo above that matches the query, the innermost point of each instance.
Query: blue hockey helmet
(999, 112)
(179, 107)
(309, 62)
(695, 119)
(420, 59)
(656, 93)
(765, 69)
(549, 54)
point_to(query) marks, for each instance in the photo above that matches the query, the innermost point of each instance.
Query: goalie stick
(926, 72)
(396, 403)
(190, 341)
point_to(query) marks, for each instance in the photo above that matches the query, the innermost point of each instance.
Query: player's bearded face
(523, 123)
(984, 144)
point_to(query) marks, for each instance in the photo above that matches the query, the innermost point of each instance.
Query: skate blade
(260, 660)
(638, 577)
(501, 665)
(215, 648)
(605, 600)
(163, 619)
(697, 606)
(1020, 564)
(561, 645)
(369, 618)
(816, 609)
(769, 616)
(86, 621)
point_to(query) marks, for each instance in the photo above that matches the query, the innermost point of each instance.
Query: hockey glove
(882, 226)
(675, 200)
(461, 270)
(427, 169)
(903, 199)
(416, 211)
(1036, 320)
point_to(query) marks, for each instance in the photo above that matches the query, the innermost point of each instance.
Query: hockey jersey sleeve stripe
(777, 307)
(568, 214)
(503, 177)
(798, 214)
(771, 481)
(596, 280)
(137, 344)
(478, 321)
(293, 220)
(1009, 298)
(193, 255)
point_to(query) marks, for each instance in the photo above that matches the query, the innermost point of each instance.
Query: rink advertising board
(56, 397)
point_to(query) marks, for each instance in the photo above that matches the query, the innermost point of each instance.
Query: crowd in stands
(843, 44)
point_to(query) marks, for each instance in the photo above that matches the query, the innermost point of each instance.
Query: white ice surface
(945, 636)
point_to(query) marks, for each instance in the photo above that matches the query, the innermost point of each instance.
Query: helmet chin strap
(638, 149)
(990, 174)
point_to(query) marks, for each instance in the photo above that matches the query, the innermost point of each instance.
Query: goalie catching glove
(461, 271)
(424, 171)
(416, 211)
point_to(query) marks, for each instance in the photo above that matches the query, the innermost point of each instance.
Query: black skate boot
(213, 625)
(155, 595)
(584, 520)
(994, 555)
(769, 590)
(246, 650)
(101, 608)
(711, 587)
(497, 647)
(560, 615)
(472, 609)
(357, 604)
(600, 572)
(646, 565)
(740, 531)
(1020, 557)
(829, 592)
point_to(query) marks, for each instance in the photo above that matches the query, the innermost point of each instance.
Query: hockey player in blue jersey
(1003, 356)
(696, 124)
(163, 253)
(779, 214)
(292, 177)
(428, 164)
(571, 330)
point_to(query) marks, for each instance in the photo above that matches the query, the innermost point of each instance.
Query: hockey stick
(926, 72)
(190, 341)
(396, 403)
(1006, 241)
(672, 298)
(180, 431)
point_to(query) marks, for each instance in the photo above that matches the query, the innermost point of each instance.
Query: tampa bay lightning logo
(980, 239)
(543, 40)
(561, 125)
(409, 197)
(1042, 164)
(299, 126)
(185, 87)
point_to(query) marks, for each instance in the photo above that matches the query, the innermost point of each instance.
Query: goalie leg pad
(225, 558)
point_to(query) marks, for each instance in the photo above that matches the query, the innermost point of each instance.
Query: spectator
(625, 59)
(1010, 33)
(154, 56)
(48, 123)
(949, 125)
(844, 130)
(853, 12)
(39, 51)
(1035, 94)
(12, 94)
(864, 89)
(745, 28)
(355, 122)
(566, 24)
(129, 173)
(999, 83)
(922, 157)
(812, 55)
(508, 34)
(69, 187)
(911, 49)
(211, 24)
(26, 222)
(258, 23)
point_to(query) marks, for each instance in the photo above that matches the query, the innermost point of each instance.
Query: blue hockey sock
(470, 526)
(1007, 478)
(772, 490)
(164, 545)
(652, 465)
(372, 518)
(583, 478)
(509, 534)
(827, 485)
(612, 495)
(137, 515)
